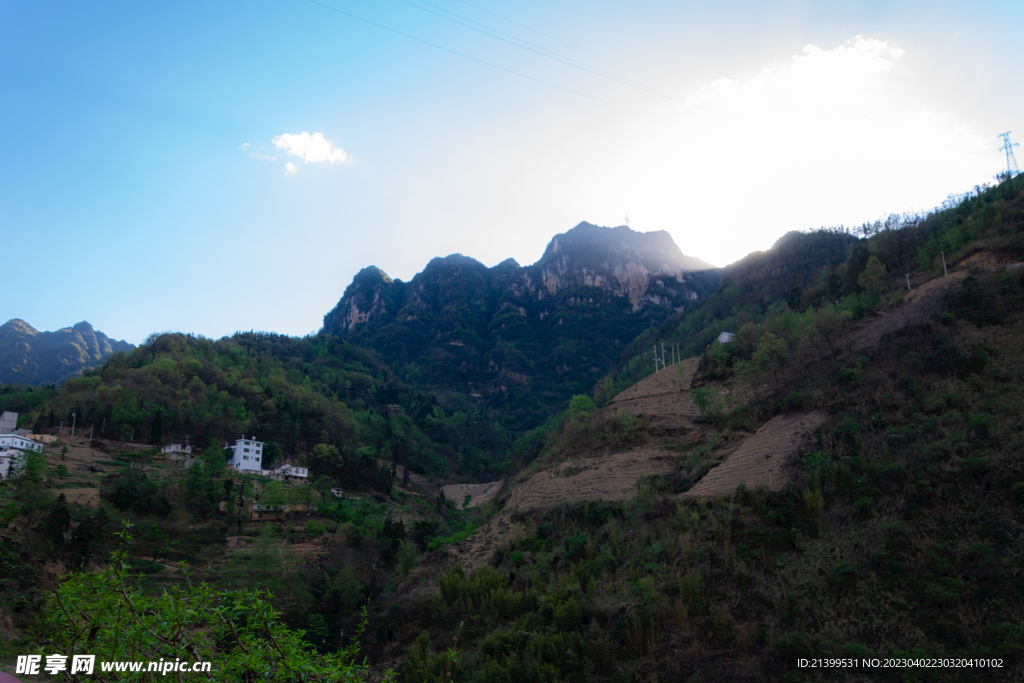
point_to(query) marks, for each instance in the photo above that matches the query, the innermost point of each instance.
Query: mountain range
(28, 356)
(523, 338)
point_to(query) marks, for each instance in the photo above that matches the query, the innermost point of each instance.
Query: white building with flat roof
(12, 453)
(19, 442)
(247, 455)
(287, 472)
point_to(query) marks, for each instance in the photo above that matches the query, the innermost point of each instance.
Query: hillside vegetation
(294, 393)
(897, 534)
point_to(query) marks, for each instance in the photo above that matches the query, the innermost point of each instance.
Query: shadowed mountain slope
(28, 356)
(523, 339)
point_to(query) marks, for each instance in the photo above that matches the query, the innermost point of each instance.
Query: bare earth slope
(919, 306)
(771, 448)
(663, 396)
(924, 302)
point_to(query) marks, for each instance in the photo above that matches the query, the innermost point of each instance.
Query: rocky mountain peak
(619, 260)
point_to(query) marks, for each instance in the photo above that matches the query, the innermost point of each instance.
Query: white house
(287, 471)
(11, 461)
(247, 455)
(21, 443)
(8, 422)
(12, 453)
(726, 337)
(177, 448)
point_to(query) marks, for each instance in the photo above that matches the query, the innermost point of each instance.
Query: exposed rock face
(620, 261)
(367, 297)
(488, 331)
(28, 356)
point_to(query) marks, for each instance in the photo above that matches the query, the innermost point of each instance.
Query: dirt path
(771, 448)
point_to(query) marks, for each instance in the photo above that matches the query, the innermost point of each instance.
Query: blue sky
(213, 167)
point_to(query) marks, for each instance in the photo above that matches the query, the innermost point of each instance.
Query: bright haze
(213, 167)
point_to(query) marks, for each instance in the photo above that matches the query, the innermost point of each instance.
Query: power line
(486, 63)
(563, 42)
(542, 51)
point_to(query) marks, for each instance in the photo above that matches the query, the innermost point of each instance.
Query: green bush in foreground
(239, 632)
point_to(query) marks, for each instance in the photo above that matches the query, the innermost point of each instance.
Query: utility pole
(1011, 161)
(74, 421)
(90, 430)
(655, 359)
(770, 483)
(61, 428)
(944, 271)
(908, 282)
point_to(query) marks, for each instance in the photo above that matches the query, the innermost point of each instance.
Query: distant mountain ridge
(553, 327)
(28, 356)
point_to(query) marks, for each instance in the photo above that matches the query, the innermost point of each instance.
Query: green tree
(580, 406)
(56, 524)
(214, 462)
(326, 456)
(156, 428)
(771, 355)
(873, 278)
(831, 325)
(200, 490)
(106, 614)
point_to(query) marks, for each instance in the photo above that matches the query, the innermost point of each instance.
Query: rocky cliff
(494, 332)
(28, 356)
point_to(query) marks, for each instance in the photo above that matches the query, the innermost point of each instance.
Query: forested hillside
(899, 533)
(291, 393)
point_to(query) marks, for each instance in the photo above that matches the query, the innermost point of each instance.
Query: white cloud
(290, 169)
(245, 146)
(312, 149)
(825, 137)
(816, 81)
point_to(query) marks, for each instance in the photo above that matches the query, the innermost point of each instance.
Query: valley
(525, 499)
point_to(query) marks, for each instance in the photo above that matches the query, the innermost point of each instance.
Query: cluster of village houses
(14, 443)
(246, 454)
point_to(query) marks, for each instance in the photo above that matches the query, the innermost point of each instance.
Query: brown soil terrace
(764, 459)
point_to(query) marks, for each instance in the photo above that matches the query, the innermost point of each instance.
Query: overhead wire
(536, 49)
(563, 42)
(486, 63)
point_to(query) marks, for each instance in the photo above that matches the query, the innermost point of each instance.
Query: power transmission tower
(1011, 162)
